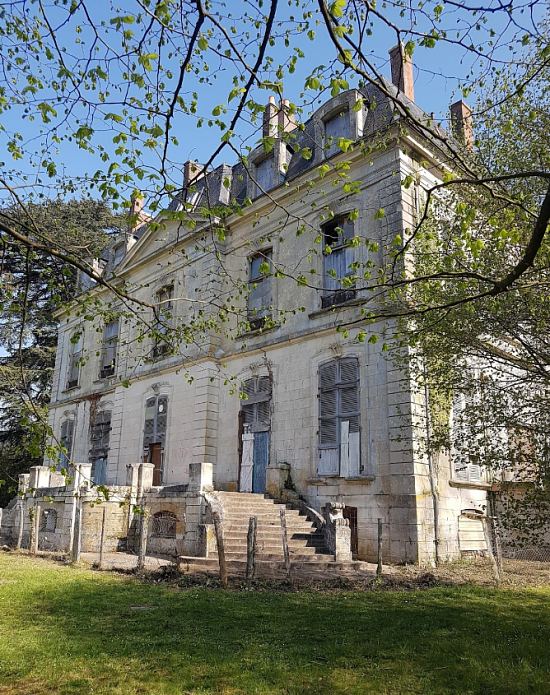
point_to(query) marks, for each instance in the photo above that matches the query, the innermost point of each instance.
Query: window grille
(48, 520)
(164, 525)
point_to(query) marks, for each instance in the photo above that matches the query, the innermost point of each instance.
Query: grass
(65, 630)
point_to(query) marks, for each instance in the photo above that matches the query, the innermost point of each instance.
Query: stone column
(39, 477)
(201, 477)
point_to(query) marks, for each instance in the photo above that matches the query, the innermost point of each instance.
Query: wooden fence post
(379, 550)
(488, 540)
(102, 538)
(36, 529)
(77, 534)
(284, 535)
(142, 550)
(32, 528)
(221, 548)
(497, 546)
(251, 547)
(21, 522)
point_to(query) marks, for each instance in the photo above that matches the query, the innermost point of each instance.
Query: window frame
(75, 360)
(99, 445)
(161, 347)
(109, 343)
(340, 413)
(342, 249)
(257, 317)
(156, 437)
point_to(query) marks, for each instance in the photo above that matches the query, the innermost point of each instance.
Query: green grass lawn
(66, 630)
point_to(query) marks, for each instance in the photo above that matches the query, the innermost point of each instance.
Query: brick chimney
(192, 171)
(402, 71)
(462, 123)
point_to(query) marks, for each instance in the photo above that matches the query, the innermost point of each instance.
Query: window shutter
(162, 418)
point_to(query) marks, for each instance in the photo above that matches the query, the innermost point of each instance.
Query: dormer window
(118, 253)
(264, 175)
(336, 127)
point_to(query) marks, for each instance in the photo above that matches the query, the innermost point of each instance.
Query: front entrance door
(260, 461)
(155, 457)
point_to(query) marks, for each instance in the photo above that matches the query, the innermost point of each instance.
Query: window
(339, 418)
(156, 419)
(109, 349)
(75, 360)
(256, 407)
(163, 323)
(48, 520)
(164, 525)
(263, 175)
(336, 127)
(338, 259)
(66, 441)
(99, 446)
(118, 253)
(259, 289)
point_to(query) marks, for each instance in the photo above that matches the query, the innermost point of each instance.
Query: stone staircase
(306, 542)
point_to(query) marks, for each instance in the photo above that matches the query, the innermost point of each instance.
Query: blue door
(260, 460)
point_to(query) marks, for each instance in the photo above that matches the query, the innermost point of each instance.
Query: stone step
(268, 529)
(266, 535)
(279, 557)
(276, 548)
(230, 512)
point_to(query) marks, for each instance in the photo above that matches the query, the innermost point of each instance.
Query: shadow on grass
(90, 633)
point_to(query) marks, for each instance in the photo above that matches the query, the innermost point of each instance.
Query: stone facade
(390, 478)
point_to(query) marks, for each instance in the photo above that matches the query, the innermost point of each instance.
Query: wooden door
(155, 457)
(260, 461)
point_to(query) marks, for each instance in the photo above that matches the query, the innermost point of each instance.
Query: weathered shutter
(339, 418)
(328, 420)
(256, 408)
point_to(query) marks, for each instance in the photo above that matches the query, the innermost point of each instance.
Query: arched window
(48, 520)
(164, 525)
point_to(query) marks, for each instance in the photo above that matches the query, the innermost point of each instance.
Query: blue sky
(438, 72)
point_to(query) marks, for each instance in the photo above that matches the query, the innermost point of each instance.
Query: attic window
(336, 127)
(118, 253)
(263, 175)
